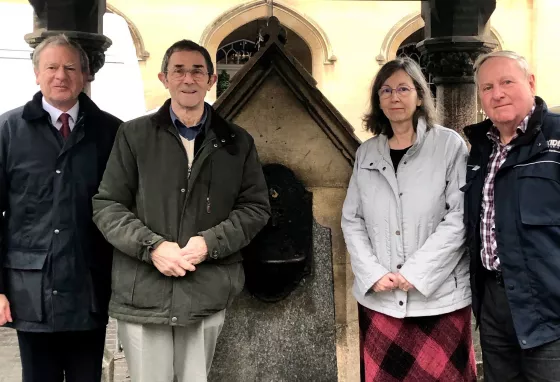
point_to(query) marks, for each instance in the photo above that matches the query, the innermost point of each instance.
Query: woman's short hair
(375, 120)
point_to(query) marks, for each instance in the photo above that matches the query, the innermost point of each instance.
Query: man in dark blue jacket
(513, 223)
(55, 265)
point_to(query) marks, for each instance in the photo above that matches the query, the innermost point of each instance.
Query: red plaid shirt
(489, 248)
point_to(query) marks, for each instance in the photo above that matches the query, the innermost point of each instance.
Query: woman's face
(398, 98)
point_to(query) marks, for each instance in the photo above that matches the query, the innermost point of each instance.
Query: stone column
(449, 60)
(456, 34)
(80, 20)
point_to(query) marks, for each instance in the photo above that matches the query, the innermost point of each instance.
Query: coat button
(399, 266)
(183, 190)
(215, 145)
(174, 319)
(56, 231)
(233, 135)
(58, 171)
(398, 233)
(55, 292)
(401, 303)
(223, 141)
(524, 342)
(384, 168)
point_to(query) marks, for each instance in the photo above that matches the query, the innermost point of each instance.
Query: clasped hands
(172, 260)
(392, 281)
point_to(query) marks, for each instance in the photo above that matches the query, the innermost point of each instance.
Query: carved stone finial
(275, 31)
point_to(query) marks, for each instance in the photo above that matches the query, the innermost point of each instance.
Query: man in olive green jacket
(183, 192)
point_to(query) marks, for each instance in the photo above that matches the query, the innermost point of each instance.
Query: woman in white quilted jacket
(403, 226)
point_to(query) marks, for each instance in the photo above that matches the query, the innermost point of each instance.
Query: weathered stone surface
(291, 340)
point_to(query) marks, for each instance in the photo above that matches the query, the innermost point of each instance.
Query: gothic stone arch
(141, 51)
(404, 28)
(318, 42)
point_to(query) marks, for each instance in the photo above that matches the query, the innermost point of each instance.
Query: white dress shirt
(54, 113)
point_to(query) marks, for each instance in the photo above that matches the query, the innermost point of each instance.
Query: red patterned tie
(65, 129)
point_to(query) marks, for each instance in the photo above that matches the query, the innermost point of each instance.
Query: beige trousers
(163, 353)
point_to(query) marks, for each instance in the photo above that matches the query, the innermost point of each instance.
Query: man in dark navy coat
(55, 266)
(513, 223)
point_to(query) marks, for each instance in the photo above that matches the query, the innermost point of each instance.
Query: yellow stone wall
(357, 33)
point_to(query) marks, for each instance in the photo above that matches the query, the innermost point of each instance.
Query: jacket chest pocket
(370, 177)
(539, 192)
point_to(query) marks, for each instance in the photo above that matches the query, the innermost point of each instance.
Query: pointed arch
(141, 51)
(404, 28)
(237, 16)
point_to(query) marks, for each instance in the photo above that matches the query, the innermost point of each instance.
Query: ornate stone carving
(451, 59)
(449, 64)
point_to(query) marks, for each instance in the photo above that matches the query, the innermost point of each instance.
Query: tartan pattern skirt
(416, 349)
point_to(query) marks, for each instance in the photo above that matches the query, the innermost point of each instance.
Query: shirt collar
(54, 113)
(189, 132)
(494, 133)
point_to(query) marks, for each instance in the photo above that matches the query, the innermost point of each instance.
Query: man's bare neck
(188, 116)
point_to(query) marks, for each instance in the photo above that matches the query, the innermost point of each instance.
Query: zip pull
(208, 205)
(189, 173)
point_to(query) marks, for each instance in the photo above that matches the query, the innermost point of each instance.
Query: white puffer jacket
(409, 222)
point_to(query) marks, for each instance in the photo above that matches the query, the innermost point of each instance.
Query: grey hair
(521, 61)
(61, 40)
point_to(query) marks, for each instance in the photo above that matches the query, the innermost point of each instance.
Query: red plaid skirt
(416, 349)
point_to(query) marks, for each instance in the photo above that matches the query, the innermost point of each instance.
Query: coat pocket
(212, 288)
(150, 288)
(24, 283)
(539, 187)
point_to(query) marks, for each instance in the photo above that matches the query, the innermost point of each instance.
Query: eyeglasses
(178, 74)
(402, 92)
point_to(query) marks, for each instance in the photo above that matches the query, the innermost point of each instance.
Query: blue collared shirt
(189, 133)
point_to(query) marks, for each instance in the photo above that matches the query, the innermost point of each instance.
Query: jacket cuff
(211, 243)
(149, 245)
(365, 284)
(418, 284)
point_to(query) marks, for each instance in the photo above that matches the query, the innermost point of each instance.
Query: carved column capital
(451, 59)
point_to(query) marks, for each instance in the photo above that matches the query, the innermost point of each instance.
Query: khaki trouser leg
(162, 353)
(194, 348)
(148, 350)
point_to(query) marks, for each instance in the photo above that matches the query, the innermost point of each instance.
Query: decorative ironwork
(236, 52)
(411, 51)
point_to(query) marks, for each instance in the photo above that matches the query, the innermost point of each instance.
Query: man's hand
(196, 251)
(402, 283)
(168, 259)
(5, 313)
(386, 283)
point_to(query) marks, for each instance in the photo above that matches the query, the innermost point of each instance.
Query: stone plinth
(290, 340)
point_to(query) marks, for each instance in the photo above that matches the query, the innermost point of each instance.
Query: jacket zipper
(189, 189)
(208, 205)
